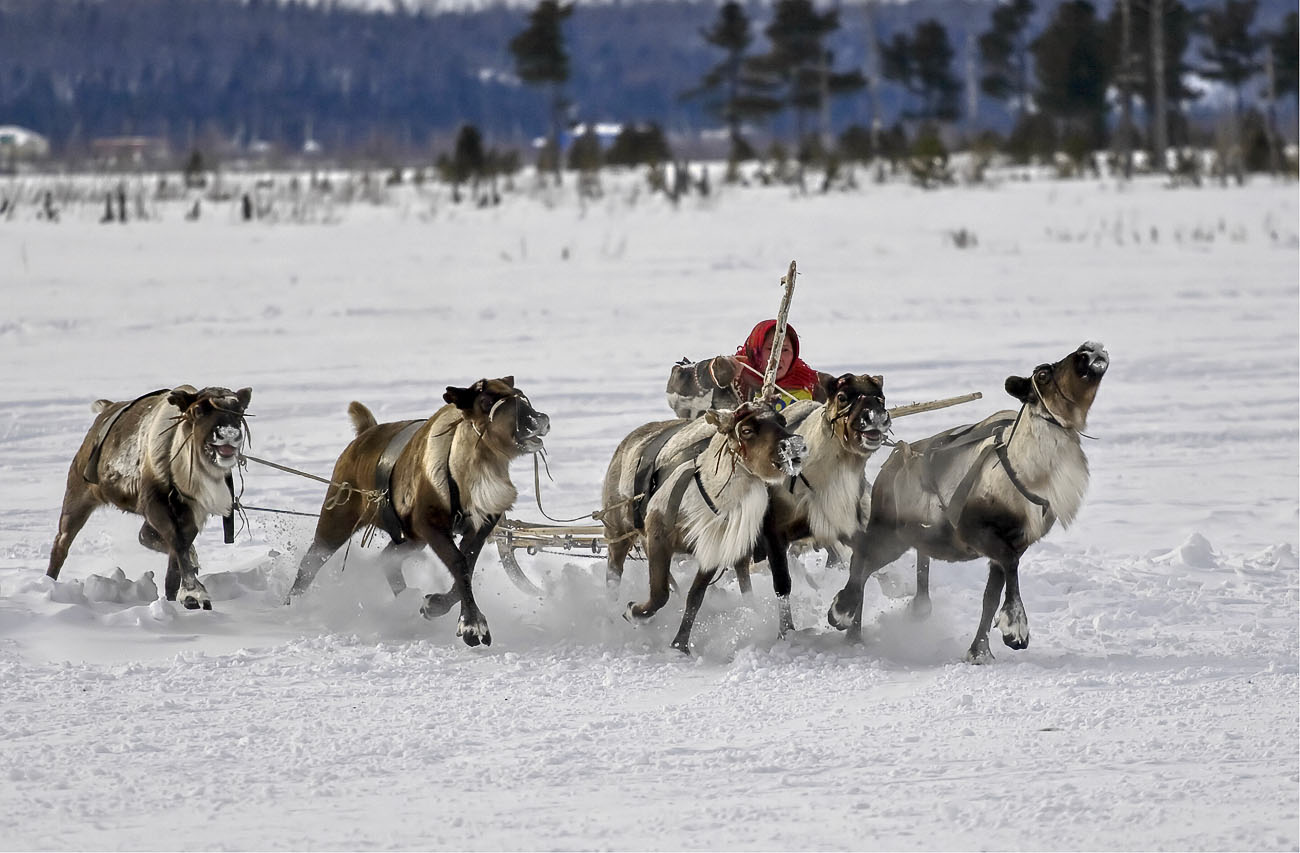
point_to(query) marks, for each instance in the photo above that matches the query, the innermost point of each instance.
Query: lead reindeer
(990, 490)
(709, 501)
(166, 456)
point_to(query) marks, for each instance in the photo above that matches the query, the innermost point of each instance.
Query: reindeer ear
(879, 380)
(182, 397)
(461, 398)
(244, 395)
(509, 380)
(720, 418)
(829, 384)
(1020, 388)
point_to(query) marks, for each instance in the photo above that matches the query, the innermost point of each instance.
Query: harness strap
(957, 505)
(645, 481)
(388, 520)
(708, 501)
(91, 472)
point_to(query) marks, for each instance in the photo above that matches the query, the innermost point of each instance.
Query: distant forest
(208, 72)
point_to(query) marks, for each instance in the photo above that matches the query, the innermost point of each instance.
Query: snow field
(1155, 708)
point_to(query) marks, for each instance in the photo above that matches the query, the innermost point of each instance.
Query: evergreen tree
(1073, 70)
(541, 59)
(1286, 63)
(469, 162)
(798, 65)
(1179, 23)
(1230, 52)
(1004, 54)
(922, 64)
(733, 94)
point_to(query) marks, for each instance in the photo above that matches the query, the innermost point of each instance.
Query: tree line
(859, 79)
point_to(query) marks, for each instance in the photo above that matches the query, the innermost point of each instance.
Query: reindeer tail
(362, 419)
(100, 405)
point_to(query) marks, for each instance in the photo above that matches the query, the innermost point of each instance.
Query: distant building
(130, 150)
(18, 144)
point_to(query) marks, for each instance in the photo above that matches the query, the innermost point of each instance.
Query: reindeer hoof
(635, 614)
(979, 653)
(474, 631)
(1014, 626)
(683, 646)
(844, 610)
(196, 599)
(437, 604)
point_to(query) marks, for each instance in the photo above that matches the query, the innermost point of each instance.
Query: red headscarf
(798, 376)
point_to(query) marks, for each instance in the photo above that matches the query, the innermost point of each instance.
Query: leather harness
(646, 480)
(388, 520)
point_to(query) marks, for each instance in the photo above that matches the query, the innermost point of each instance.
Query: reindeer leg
(979, 649)
(392, 557)
(1012, 621)
(872, 548)
(742, 576)
(471, 545)
(78, 504)
(172, 521)
(694, 598)
(659, 551)
(920, 607)
(615, 556)
(472, 627)
(778, 562)
(334, 528)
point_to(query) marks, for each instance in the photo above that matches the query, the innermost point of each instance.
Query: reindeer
(829, 501)
(442, 477)
(712, 505)
(166, 456)
(991, 490)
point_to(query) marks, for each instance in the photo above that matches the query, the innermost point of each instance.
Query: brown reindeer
(166, 456)
(444, 477)
(991, 490)
(708, 500)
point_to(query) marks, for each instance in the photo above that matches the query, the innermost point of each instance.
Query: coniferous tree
(1004, 54)
(1179, 23)
(1073, 70)
(922, 64)
(542, 59)
(733, 95)
(1230, 53)
(798, 65)
(1286, 63)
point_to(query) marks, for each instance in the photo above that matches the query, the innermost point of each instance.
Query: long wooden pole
(917, 408)
(778, 334)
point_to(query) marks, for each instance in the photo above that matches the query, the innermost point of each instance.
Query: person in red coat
(729, 380)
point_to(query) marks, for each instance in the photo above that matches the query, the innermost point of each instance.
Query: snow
(1156, 706)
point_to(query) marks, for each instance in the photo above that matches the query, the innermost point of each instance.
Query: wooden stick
(917, 408)
(778, 334)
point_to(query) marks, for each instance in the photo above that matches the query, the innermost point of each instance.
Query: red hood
(800, 375)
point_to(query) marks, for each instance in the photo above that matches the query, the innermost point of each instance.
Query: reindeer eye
(747, 432)
(842, 398)
(484, 403)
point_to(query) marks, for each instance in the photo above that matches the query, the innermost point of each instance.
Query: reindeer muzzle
(224, 445)
(790, 453)
(1091, 360)
(533, 425)
(871, 426)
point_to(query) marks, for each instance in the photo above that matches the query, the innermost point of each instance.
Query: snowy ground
(1157, 704)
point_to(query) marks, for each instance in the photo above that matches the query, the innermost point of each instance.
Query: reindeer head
(501, 414)
(1064, 391)
(759, 440)
(213, 419)
(855, 408)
